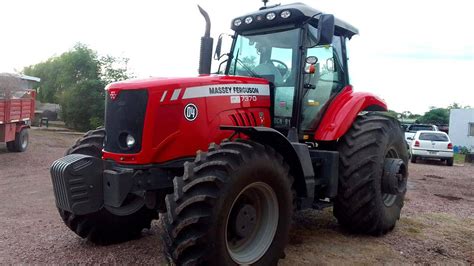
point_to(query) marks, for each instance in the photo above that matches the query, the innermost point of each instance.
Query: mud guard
(295, 154)
(342, 112)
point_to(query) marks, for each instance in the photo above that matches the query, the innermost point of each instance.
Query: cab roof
(299, 14)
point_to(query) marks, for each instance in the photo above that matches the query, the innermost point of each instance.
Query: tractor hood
(159, 120)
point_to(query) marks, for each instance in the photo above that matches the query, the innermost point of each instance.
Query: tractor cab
(301, 51)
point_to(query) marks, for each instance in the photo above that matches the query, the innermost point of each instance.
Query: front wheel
(104, 227)
(232, 206)
(372, 175)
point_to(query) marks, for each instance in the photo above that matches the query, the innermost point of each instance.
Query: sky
(413, 54)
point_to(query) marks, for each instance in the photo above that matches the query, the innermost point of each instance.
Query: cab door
(321, 86)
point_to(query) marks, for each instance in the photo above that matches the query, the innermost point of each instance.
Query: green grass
(459, 158)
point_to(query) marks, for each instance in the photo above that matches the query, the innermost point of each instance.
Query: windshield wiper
(250, 71)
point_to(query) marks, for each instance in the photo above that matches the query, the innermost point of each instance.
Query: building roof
(30, 78)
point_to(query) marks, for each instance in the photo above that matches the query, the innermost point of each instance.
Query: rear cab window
(420, 127)
(433, 137)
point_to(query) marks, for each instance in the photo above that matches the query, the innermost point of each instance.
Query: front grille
(243, 119)
(125, 115)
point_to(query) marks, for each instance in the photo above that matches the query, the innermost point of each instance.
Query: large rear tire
(233, 205)
(104, 227)
(361, 206)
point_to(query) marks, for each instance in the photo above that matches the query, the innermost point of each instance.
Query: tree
(82, 106)
(114, 69)
(438, 116)
(76, 80)
(61, 73)
(393, 114)
(458, 106)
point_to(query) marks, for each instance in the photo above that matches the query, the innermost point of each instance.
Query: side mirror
(217, 53)
(311, 62)
(325, 29)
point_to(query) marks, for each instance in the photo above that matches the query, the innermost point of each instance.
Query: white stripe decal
(175, 94)
(163, 97)
(226, 90)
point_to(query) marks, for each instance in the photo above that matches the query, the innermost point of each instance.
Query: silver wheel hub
(252, 223)
(246, 221)
(394, 178)
(24, 142)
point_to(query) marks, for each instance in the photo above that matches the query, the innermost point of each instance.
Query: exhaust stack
(205, 57)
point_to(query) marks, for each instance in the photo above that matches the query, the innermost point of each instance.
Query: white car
(412, 129)
(431, 145)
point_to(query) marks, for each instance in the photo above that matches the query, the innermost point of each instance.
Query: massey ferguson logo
(190, 112)
(113, 94)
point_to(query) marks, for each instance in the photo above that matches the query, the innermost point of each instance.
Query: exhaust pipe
(205, 57)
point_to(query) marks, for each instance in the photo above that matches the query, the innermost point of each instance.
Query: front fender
(342, 112)
(295, 154)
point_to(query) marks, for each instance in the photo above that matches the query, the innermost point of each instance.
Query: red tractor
(227, 159)
(17, 109)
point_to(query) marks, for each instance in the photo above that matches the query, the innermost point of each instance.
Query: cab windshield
(272, 56)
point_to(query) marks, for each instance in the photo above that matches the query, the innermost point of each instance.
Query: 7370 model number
(248, 98)
(243, 98)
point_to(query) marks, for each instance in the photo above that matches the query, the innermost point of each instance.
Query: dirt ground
(437, 224)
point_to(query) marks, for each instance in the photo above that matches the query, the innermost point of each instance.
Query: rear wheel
(450, 162)
(20, 144)
(232, 206)
(373, 175)
(104, 227)
(413, 159)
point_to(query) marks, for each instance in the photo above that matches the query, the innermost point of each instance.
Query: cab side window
(327, 80)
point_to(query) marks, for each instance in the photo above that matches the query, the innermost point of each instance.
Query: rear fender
(296, 155)
(342, 112)
(20, 127)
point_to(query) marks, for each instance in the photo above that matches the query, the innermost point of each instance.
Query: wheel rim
(24, 141)
(252, 223)
(389, 199)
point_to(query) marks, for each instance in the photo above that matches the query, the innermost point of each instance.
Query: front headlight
(237, 22)
(271, 16)
(130, 141)
(248, 20)
(285, 14)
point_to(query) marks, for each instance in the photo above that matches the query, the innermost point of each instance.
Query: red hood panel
(184, 115)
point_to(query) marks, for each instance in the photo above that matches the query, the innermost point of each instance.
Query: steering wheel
(283, 71)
